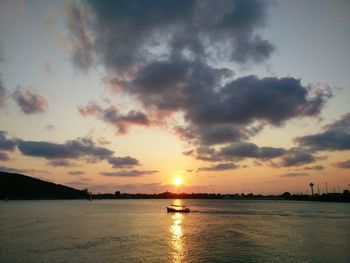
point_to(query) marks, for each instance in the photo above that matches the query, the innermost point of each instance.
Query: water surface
(142, 231)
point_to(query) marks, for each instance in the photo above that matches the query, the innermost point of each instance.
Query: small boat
(178, 209)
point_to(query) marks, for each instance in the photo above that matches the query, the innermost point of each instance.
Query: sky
(227, 96)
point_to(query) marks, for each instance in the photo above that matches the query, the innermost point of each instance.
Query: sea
(142, 231)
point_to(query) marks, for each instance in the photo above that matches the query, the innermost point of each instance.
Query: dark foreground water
(142, 231)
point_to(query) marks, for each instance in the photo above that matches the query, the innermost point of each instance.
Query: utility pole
(312, 188)
(339, 188)
(318, 189)
(326, 188)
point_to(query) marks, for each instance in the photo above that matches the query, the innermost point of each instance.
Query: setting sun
(177, 181)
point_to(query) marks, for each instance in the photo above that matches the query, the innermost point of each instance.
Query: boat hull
(172, 210)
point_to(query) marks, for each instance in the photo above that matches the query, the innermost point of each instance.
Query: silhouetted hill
(18, 186)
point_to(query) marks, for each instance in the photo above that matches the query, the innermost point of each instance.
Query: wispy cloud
(344, 164)
(129, 173)
(293, 174)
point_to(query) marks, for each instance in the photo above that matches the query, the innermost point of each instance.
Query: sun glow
(177, 181)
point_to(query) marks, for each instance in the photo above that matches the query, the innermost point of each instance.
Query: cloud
(61, 163)
(76, 172)
(5, 143)
(129, 173)
(4, 156)
(239, 151)
(216, 113)
(113, 116)
(218, 167)
(316, 168)
(345, 164)
(236, 151)
(335, 136)
(298, 157)
(211, 135)
(124, 33)
(73, 149)
(29, 101)
(80, 37)
(204, 153)
(168, 56)
(90, 109)
(250, 150)
(61, 154)
(293, 174)
(126, 161)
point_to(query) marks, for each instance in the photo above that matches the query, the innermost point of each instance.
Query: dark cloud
(274, 100)
(73, 149)
(217, 114)
(345, 164)
(4, 156)
(335, 136)
(29, 101)
(61, 154)
(298, 157)
(61, 163)
(129, 173)
(76, 172)
(218, 167)
(210, 135)
(316, 168)
(124, 33)
(236, 151)
(113, 116)
(293, 174)
(204, 153)
(5, 143)
(126, 161)
(165, 55)
(250, 150)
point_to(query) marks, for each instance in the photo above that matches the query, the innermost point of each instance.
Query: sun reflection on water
(176, 237)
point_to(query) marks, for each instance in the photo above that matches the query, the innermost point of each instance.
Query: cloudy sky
(230, 96)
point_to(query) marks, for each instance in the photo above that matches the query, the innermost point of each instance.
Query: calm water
(142, 231)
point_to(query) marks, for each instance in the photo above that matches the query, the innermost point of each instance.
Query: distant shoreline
(21, 187)
(333, 197)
